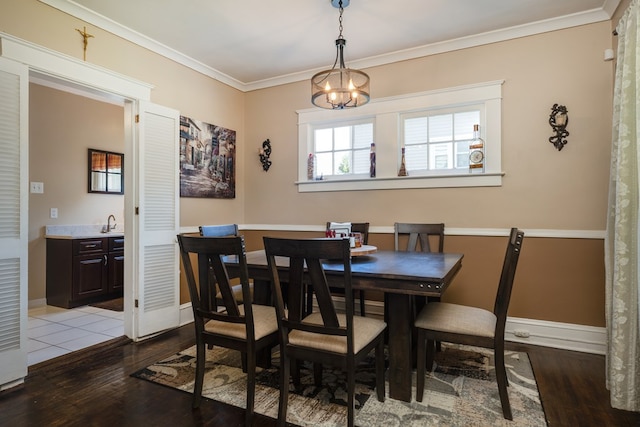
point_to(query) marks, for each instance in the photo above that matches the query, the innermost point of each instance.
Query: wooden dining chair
(247, 328)
(420, 237)
(324, 336)
(355, 227)
(223, 230)
(471, 325)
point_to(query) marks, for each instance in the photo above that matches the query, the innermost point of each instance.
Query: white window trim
(387, 112)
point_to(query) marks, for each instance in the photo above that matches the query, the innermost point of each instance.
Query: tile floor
(55, 331)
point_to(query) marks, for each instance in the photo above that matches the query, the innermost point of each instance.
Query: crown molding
(591, 16)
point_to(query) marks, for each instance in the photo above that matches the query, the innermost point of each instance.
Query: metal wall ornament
(559, 119)
(264, 153)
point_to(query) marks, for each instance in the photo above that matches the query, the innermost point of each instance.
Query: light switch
(53, 213)
(37, 187)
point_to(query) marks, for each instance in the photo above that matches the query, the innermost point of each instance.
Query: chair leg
(351, 389)
(295, 372)
(501, 376)
(317, 374)
(430, 354)
(285, 369)
(251, 387)
(380, 383)
(200, 361)
(362, 303)
(421, 361)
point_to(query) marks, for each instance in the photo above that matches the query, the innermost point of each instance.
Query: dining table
(399, 275)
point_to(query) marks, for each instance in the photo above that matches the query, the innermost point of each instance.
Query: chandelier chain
(340, 20)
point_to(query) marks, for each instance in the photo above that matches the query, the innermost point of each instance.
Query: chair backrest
(505, 286)
(210, 252)
(356, 227)
(418, 233)
(305, 258)
(219, 230)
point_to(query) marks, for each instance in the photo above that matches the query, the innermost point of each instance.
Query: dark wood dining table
(399, 275)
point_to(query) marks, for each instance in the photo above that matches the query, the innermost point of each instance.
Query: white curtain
(622, 238)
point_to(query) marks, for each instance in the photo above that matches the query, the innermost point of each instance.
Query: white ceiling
(251, 44)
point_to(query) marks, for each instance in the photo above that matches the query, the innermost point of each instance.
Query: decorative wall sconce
(558, 119)
(264, 153)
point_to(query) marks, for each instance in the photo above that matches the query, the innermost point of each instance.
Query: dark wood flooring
(93, 387)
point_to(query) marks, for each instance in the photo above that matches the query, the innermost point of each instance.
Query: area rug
(460, 391)
(116, 304)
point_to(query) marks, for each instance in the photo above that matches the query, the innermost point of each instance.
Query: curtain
(622, 239)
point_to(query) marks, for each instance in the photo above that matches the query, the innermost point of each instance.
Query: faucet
(109, 226)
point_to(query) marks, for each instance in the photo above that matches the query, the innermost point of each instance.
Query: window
(435, 128)
(342, 150)
(438, 141)
(106, 172)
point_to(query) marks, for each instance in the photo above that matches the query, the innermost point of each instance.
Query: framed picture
(207, 160)
(106, 172)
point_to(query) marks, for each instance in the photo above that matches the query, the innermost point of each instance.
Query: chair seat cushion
(459, 319)
(365, 330)
(264, 320)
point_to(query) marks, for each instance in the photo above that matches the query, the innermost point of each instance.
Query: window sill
(402, 182)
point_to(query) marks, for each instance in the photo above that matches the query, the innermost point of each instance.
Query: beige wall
(542, 188)
(559, 280)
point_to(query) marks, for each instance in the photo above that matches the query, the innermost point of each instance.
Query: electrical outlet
(53, 213)
(37, 187)
(521, 333)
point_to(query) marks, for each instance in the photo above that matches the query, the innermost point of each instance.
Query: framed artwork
(207, 160)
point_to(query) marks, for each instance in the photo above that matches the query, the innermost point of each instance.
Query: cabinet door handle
(105, 259)
(91, 246)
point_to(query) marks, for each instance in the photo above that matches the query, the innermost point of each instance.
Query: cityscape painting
(207, 160)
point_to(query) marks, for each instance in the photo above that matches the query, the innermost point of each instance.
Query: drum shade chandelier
(341, 87)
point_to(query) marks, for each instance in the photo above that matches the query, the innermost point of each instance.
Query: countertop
(79, 231)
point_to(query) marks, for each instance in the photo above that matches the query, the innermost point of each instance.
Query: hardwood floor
(93, 387)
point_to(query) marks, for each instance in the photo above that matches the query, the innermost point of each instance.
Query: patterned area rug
(460, 391)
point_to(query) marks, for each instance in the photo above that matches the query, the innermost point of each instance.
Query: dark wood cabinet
(83, 271)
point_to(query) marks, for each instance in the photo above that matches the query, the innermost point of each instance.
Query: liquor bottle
(311, 164)
(403, 167)
(476, 152)
(372, 161)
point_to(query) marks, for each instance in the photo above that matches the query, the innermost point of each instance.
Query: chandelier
(341, 87)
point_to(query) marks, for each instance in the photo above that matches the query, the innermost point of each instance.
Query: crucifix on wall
(85, 40)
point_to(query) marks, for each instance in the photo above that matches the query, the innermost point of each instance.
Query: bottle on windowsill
(476, 152)
(403, 167)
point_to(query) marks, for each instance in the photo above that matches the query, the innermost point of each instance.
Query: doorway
(64, 123)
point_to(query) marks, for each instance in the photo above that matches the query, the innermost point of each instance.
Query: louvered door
(158, 294)
(14, 161)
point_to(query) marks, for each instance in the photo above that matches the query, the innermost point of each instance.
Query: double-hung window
(434, 130)
(342, 150)
(437, 142)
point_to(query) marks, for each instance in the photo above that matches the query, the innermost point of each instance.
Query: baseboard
(35, 303)
(186, 314)
(565, 336)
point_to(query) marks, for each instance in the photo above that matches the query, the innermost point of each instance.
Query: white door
(157, 299)
(14, 164)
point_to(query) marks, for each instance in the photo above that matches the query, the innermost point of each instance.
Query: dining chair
(324, 336)
(223, 230)
(420, 237)
(471, 325)
(248, 328)
(354, 227)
